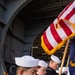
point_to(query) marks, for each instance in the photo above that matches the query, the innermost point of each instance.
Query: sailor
(53, 65)
(42, 65)
(27, 65)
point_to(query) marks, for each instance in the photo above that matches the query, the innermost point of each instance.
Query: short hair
(23, 68)
(39, 67)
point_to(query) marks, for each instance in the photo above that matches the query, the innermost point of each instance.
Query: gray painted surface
(2, 9)
(1, 70)
(13, 8)
(11, 11)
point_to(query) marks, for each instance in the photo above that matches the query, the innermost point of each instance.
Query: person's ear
(21, 72)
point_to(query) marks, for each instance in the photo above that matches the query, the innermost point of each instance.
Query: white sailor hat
(55, 59)
(42, 63)
(26, 61)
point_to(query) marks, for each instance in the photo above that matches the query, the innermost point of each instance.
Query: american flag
(61, 29)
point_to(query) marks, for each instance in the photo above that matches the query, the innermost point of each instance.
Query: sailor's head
(42, 66)
(54, 62)
(26, 65)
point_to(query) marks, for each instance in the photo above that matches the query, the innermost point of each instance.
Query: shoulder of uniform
(49, 69)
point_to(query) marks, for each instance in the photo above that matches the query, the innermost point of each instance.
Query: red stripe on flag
(65, 28)
(55, 34)
(68, 16)
(46, 42)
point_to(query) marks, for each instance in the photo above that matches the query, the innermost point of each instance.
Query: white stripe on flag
(72, 19)
(50, 37)
(61, 33)
(55, 21)
(67, 11)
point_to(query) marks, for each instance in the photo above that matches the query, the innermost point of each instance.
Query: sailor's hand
(65, 72)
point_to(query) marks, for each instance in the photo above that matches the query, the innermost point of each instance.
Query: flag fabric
(72, 57)
(61, 29)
